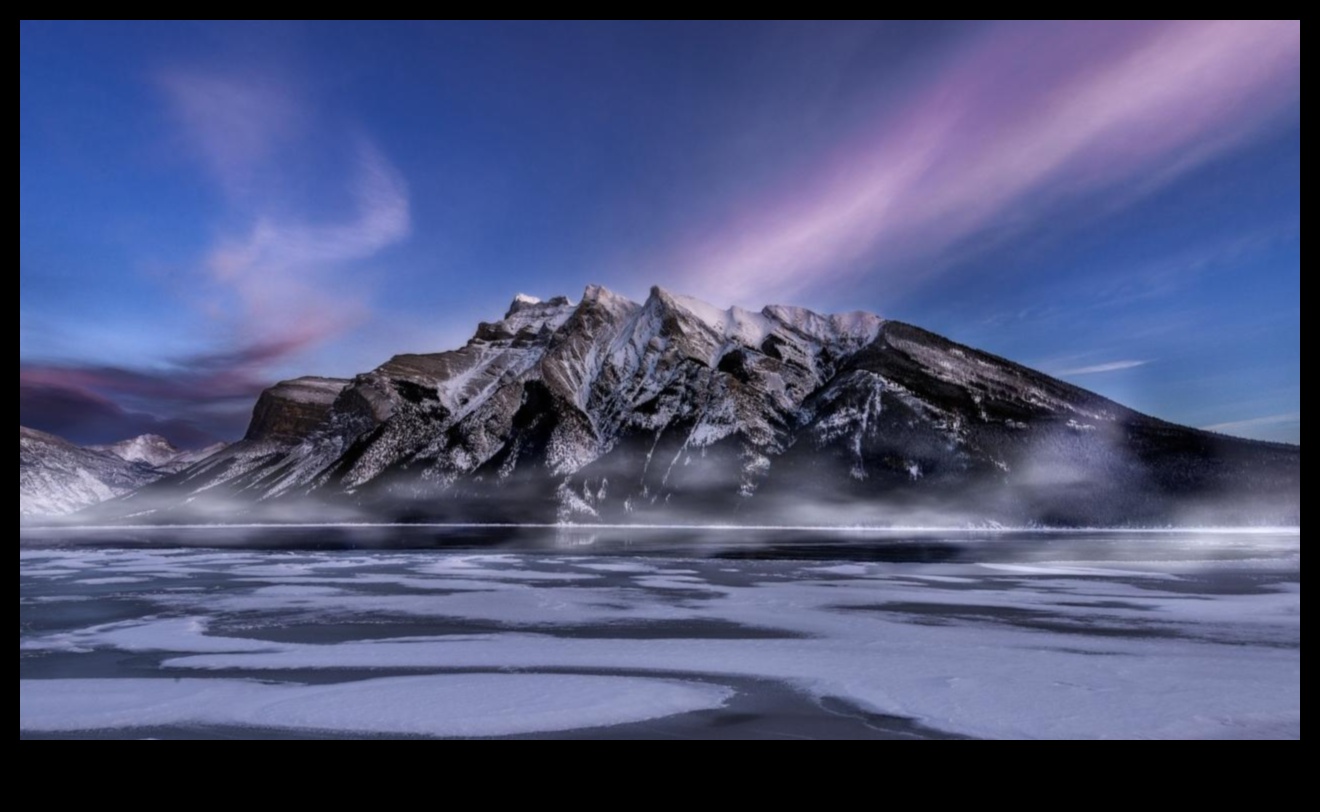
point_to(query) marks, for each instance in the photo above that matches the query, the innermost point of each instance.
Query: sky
(206, 208)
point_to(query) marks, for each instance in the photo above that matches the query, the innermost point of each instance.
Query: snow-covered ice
(438, 705)
(1162, 637)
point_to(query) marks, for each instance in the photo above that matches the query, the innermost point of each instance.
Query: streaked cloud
(277, 281)
(1110, 366)
(85, 417)
(285, 274)
(1028, 116)
(211, 394)
(276, 284)
(271, 288)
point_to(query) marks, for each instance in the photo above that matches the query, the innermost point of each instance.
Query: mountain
(56, 477)
(672, 410)
(289, 410)
(156, 452)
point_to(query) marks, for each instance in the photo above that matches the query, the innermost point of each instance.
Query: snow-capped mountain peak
(674, 408)
(150, 449)
(57, 477)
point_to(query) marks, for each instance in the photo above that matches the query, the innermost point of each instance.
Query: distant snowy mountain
(56, 477)
(672, 410)
(156, 452)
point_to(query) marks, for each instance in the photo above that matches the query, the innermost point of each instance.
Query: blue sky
(206, 208)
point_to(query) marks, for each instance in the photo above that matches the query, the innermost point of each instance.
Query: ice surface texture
(1195, 640)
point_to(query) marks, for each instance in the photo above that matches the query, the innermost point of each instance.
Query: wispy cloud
(284, 273)
(1110, 366)
(233, 123)
(1237, 426)
(1030, 115)
(276, 285)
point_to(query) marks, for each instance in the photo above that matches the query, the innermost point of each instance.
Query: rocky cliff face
(290, 409)
(674, 410)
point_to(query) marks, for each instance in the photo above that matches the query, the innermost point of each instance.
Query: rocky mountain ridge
(672, 410)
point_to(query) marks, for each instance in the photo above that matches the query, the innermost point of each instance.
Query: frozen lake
(627, 633)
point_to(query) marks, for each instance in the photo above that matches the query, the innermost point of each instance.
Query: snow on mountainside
(673, 410)
(156, 452)
(56, 477)
(149, 449)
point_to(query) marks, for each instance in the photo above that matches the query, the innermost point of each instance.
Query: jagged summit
(151, 449)
(523, 302)
(673, 409)
(156, 452)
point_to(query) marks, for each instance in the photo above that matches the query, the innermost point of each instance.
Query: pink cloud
(1029, 115)
(284, 274)
(276, 287)
(278, 280)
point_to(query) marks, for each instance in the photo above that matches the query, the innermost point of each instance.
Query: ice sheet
(442, 705)
(1168, 647)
